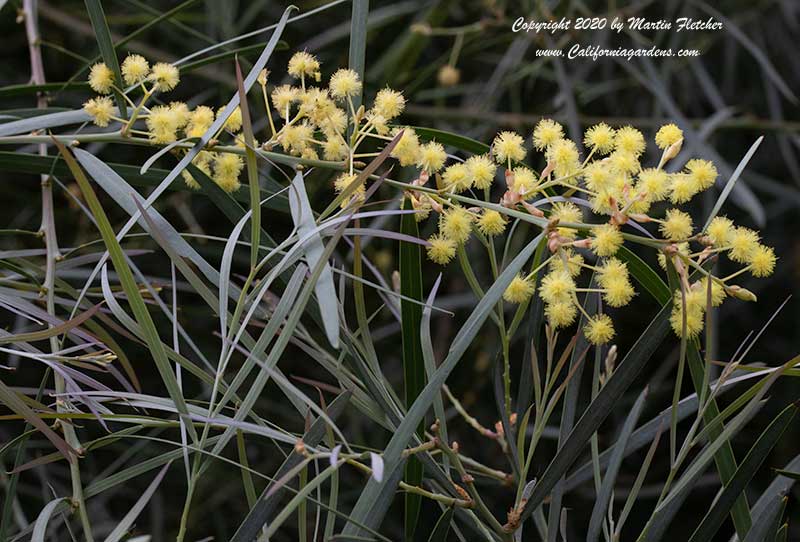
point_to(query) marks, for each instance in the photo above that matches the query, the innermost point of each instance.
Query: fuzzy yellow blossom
(227, 167)
(302, 64)
(389, 103)
(456, 224)
(654, 183)
(334, 148)
(344, 182)
(618, 292)
(202, 162)
(200, 120)
(717, 291)
(407, 149)
(546, 133)
(624, 162)
(491, 223)
(629, 139)
(719, 230)
(283, 97)
(344, 82)
(561, 314)
(378, 122)
(456, 177)
(165, 76)
(163, 124)
(567, 261)
(702, 173)
(597, 176)
(431, 157)
(441, 249)
(566, 212)
(334, 123)
(294, 138)
(682, 188)
(507, 147)
(482, 170)
(743, 242)
(599, 329)
(101, 78)
(695, 309)
(677, 225)
(135, 69)
(600, 138)
(234, 121)
(100, 109)
(448, 76)
(563, 154)
(519, 290)
(181, 112)
(762, 261)
(668, 135)
(606, 240)
(557, 286)
(524, 180)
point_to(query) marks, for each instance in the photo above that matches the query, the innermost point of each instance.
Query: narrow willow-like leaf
(122, 528)
(413, 362)
(42, 122)
(325, 289)
(40, 527)
(358, 42)
(442, 527)
(132, 292)
(454, 140)
(374, 500)
(252, 168)
(732, 182)
(51, 331)
(604, 496)
(762, 524)
(747, 469)
(106, 45)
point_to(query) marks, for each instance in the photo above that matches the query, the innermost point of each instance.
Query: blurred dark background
(744, 85)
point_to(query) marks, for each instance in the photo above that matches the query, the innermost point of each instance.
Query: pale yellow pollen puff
(448, 76)
(378, 122)
(100, 109)
(624, 162)
(508, 146)
(598, 176)
(719, 230)
(202, 162)
(606, 240)
(561, 314)
(162, 124)
(677, 225)
(165, 76)
(441, 249)
(563, 154)
(547, 132)
(618, 292)
(234, 121)
(482, 170)
(600, 138)
(303, 63)
(456, 177)
(557, 286)
(181, 112)
(283, 97)
(762, 261)
(566, 212)
(568, 261)
(682, 188)
(629, 139)
(519, 290)
(389, 103)
(694, 319)
(702, 173)
(491, 223)
(344, 83)
(668, 135)
(655, 183)
(599, 329)
(743, 242)
(135, 69)
(227, 168)
(717, 291)
(407, 149)
(524, 180)
(456, 224)
(101, 78)
(431, 157)
(334, 148)
(344, 182)
(200, 120)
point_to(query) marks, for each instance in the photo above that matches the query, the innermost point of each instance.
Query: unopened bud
(262, 77)
(672, 151)
(740, 293)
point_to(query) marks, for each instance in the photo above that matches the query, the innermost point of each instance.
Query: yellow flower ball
(135, 69)
(441, 249)
(557, 286)
(508, 147)
(546, 133)
(448, 76)
(677, 225)
(283, 97)
(655, 183)
(743, 243)
(457, 178)
(302, 64)
(407, 149)
(630, 140)
(606, 240)
(389, 103)
(200, 120)
(618, 292)
(491, 223)
(702, 173)
(720, 230)
(523, 181)
(519, 290)
(165, 77)
(762, 261)
(456, 224)
(101, 78)
(599, 329)
(482, 170)
(566, 211)
(100, 109)
(668, 135)
(600, 138)
(431, 157)
(344, 82)
(563, 154)
(227, 168)
(561, 314)
(162, 124)
(234, 122)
